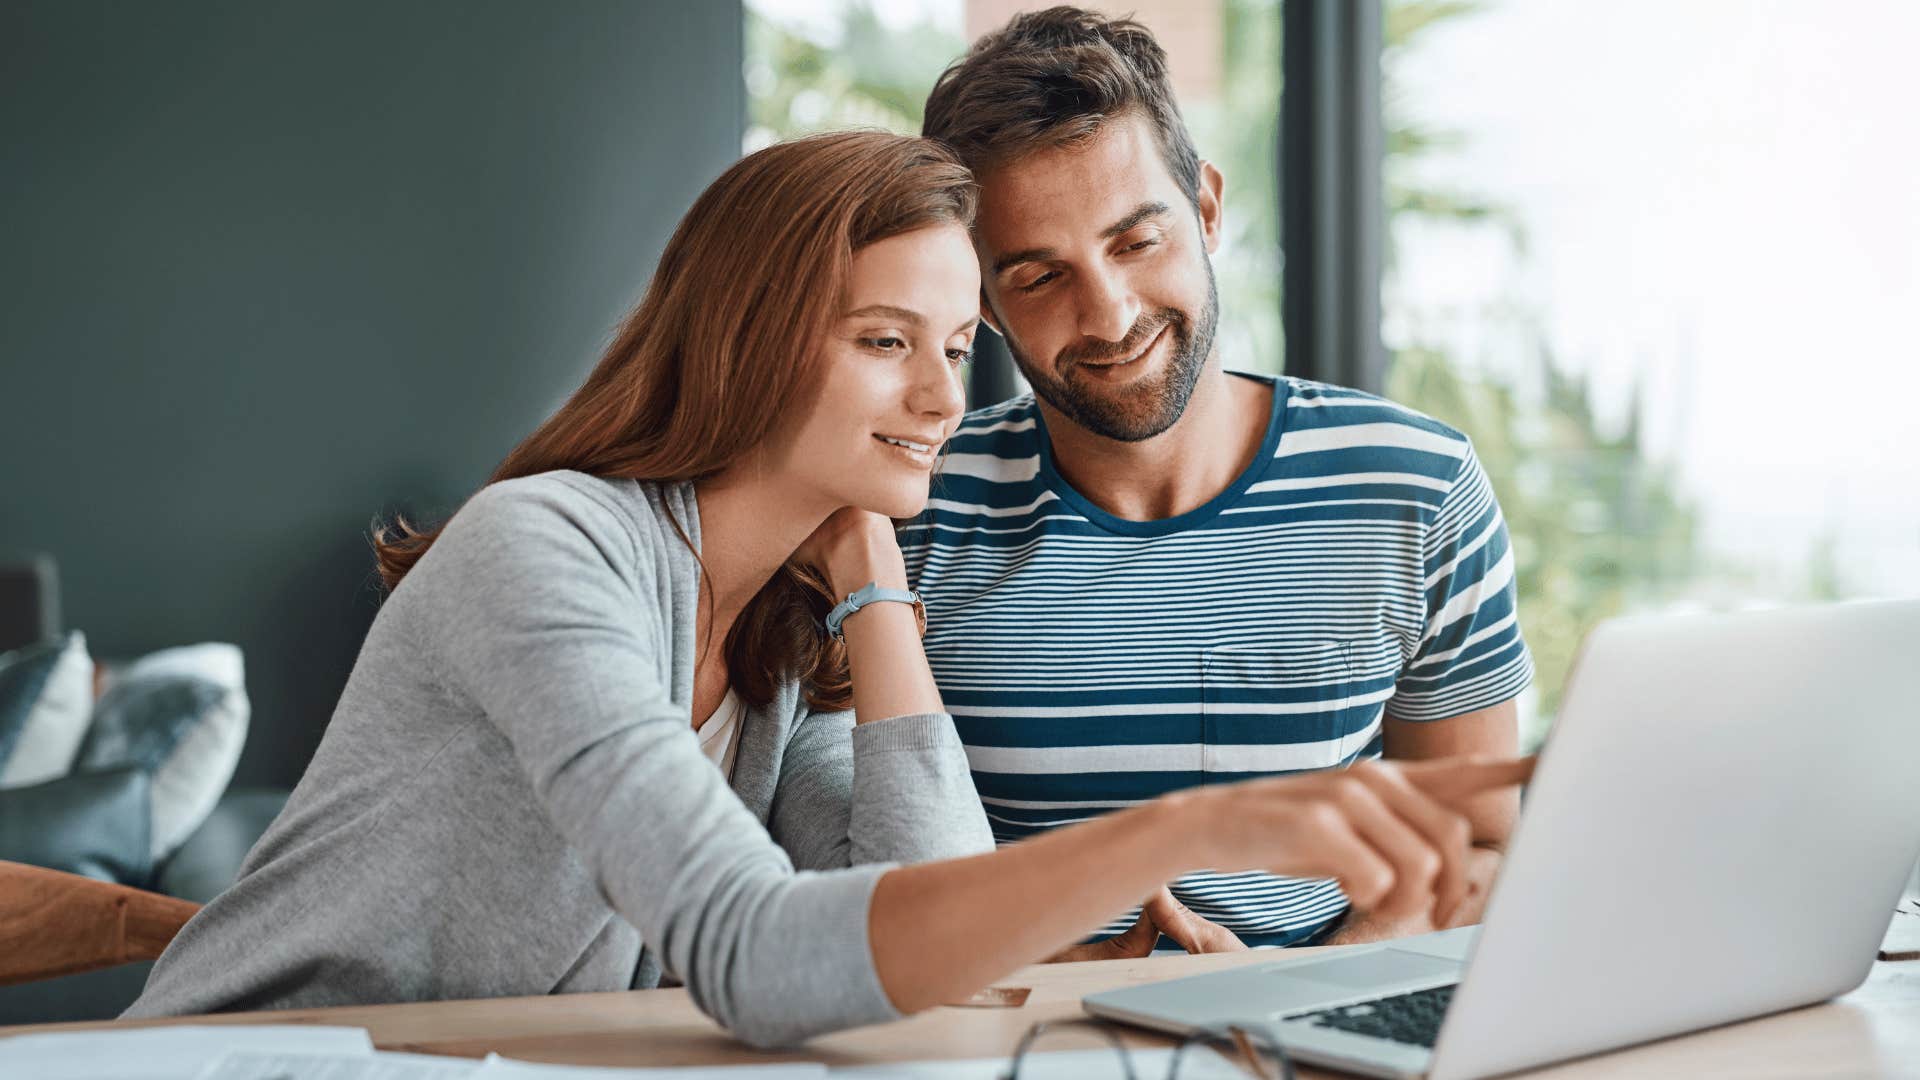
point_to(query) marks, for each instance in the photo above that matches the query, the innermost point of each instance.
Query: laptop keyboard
(1413, 1018)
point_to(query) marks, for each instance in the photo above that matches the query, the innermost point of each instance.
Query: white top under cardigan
(719, 734)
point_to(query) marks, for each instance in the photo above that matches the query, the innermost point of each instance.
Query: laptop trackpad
(1382, 968)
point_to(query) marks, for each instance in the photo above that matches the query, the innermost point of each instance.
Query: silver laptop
(1719, 828)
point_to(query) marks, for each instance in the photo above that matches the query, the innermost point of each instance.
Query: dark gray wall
(268, 269)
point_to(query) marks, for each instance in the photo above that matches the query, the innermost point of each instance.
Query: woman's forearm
(889, 668)
(940, 931)
(890, 672)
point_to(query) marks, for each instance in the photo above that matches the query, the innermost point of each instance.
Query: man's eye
(1142, 244)
(1039, 281)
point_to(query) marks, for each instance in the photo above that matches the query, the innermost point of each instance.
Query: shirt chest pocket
(1278, 708)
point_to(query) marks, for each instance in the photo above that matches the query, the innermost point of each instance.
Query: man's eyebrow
(1134, 217)
(905, 315)
(1001, 264)
(1140, 213)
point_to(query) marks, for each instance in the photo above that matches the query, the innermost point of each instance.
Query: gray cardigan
(510, 799)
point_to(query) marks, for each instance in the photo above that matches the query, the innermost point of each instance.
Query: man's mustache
(1143, 330)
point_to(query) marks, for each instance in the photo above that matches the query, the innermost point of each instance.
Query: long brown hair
(724, 348)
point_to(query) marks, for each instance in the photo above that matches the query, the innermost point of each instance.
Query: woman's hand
(1396, 837)
(853, 547)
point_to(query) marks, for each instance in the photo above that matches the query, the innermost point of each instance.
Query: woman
(514, 796)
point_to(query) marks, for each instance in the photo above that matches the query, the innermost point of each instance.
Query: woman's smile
(922, 454)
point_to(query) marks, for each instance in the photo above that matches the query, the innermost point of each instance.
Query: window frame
(1332, 203)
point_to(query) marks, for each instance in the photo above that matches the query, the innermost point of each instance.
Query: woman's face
(893, 363)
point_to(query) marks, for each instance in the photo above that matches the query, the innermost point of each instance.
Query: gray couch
(97, 825)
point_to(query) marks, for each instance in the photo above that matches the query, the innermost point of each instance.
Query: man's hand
(1190, 931)
(1162, 914)
(1136, 942)
(1361, 929)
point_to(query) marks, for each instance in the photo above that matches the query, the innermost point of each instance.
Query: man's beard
(1139, 411)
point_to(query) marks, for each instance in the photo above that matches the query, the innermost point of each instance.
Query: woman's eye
(959, 356)
(883, 344)
(1039, 281)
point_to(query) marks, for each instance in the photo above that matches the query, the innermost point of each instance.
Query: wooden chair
(54, 923)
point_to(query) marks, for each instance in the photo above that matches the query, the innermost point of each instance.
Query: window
(1659, 261)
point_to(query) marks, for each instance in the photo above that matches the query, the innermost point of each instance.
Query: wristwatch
(870, 593)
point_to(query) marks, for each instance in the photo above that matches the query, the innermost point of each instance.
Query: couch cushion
(181, 715)
(46, 696)
(94, 824)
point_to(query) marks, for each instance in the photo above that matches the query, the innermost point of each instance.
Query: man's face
(1094, 266)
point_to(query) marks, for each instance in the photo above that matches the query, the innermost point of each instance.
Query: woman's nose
(941, 392)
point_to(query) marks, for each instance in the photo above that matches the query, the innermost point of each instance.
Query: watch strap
(870, 593)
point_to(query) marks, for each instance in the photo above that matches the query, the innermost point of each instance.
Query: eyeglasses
(1246, 1049)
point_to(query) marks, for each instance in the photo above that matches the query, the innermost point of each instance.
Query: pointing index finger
(1456, 779)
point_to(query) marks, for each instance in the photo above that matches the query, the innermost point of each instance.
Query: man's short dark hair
(1052, 78)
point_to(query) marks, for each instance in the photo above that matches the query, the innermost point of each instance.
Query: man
(1152, 573)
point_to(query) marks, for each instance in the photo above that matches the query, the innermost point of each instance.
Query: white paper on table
(1200, 1064)
(499, 1068)
(380, 1065)
(383, 1065)
(178, 1052)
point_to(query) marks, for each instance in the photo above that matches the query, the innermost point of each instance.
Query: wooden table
(1874, 1031)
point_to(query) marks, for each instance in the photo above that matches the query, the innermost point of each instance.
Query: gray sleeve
(895, 790)
(535, 611)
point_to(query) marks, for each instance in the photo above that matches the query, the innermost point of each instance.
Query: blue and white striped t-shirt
(1358, 567)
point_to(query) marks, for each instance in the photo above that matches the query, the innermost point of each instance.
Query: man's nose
(1108, 309)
